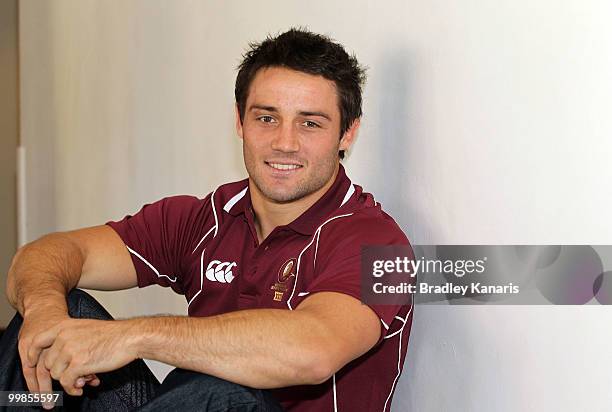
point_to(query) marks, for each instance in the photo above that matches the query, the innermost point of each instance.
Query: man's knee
(197, 391)
(82, 305)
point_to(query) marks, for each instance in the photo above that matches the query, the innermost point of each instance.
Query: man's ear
(349, 136)
(238, 121)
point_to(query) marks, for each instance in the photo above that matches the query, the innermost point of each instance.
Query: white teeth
(281, 166)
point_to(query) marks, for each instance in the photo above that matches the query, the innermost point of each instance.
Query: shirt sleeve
(339, 268)
(161, 235)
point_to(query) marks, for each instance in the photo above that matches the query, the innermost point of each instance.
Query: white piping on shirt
(215, 227)
(150, 265)
(399, 353)
(212, 202)
(202, 240)
(297, 273)
(403, 321)
(399, 359)
(314, 263)
(201, 278)
(335, 398)
(228, 206)
(348, 194)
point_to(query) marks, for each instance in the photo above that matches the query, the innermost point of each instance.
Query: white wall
(485, 122)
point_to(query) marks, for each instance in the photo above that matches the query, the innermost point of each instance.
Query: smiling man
(269, 267)
(290, 127)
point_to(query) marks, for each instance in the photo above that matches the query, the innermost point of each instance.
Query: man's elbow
(11, 283)
(319, 366)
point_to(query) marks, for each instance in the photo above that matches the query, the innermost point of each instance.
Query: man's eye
(266, 119)
(310, 124)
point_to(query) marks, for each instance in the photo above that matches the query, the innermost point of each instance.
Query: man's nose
(286, 139)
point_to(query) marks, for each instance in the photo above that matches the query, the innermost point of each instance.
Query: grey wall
(9, 130)
(485, 123)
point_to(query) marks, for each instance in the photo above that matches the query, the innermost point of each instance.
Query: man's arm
(266, 348)
(44, 271)
(261, 348)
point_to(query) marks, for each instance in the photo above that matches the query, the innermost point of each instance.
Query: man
(269, 266)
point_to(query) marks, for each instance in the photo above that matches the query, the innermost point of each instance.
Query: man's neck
(270, 214)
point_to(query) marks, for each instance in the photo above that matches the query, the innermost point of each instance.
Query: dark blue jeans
(134, 387)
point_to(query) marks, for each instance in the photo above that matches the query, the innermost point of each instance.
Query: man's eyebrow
(301, 113)
(263, 107)
(320, 114)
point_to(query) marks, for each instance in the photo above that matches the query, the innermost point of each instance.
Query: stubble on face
(317, 176)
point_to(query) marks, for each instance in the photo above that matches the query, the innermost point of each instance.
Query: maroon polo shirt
(207, 250)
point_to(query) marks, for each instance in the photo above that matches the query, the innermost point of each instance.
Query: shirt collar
(308, 222)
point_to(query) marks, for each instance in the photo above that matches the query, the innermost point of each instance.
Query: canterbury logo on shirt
(218, 271)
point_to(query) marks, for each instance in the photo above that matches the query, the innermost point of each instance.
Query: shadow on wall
(402, 164)
(408, 197)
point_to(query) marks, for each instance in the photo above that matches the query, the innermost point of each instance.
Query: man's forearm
(261, 348)
(43, 272)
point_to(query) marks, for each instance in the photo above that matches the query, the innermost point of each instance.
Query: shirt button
(267, 247)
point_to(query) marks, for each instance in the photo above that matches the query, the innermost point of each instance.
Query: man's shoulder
(224, 195)
(362, 218)
(216, 199)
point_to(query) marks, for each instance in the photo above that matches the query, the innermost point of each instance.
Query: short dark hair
(301, 50)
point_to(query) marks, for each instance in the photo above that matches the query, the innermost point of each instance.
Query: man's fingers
(91, 380)
(29, 373)
(30, 376)
(50, 358)
(42, 376)
(90, 377)
(58, 366)
(56, 360)
(33, 355)
(39, 343)
(69, 381)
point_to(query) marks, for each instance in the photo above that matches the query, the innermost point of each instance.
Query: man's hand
(38, 378)
(34, 323)
(76, 348)
(44, 271)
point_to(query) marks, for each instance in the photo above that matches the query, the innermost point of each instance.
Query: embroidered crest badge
(286, 271)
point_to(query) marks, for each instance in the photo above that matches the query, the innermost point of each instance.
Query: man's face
(290, 134)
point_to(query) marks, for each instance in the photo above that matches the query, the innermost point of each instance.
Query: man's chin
(283, 197)
(283, 191)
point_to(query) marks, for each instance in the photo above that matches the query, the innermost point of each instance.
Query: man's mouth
(283, 166)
